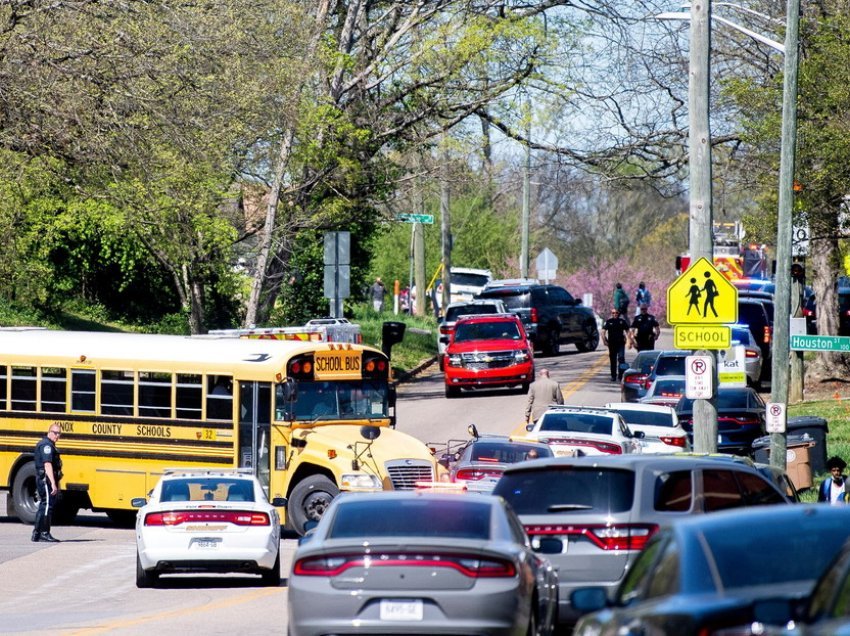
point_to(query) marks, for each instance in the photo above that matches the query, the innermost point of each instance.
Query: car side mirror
(280, 502)
(138, 502)
(638, 434)
(529, 427)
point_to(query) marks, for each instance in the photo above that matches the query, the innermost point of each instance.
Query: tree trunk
(825, 261)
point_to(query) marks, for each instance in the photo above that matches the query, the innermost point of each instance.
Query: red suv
(488, 351)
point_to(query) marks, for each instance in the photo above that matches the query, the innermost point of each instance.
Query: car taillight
(533, 314)
(768, 333)
(746, 421)
(752, 353)
(638, 379)
(236, 517)
(647, 383)
(472, 565)
(446, 331)
(602, 447)
(624, 536)
(474, 474)
(808, 313)
(673, 441)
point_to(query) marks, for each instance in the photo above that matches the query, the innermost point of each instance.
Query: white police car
(207, 520)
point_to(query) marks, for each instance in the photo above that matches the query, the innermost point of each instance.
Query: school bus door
(255, 400)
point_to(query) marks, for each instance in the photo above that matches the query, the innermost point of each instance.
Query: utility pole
(419, 248)
(782, 310)
(526, 200)
(700, 229)
(446, 231)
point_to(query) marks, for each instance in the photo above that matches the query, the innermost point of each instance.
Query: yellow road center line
(574, 385)
(214, 605)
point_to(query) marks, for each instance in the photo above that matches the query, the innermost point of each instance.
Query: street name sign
(699, 377)
(416, 218)
(801, 342)
(701, 295)
(696, 337)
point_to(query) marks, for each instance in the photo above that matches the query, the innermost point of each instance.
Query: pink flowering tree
(600, 275)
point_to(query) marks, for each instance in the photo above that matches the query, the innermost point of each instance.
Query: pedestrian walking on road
(378, 293)
(614, 333)
(642, 295)
(621, 300)
(542, 392)
(833, 489)
(48, 472)
(645, 330)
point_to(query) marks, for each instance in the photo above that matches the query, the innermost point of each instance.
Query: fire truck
(318, 330)
(732, 257)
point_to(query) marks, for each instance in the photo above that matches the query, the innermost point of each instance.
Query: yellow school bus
(310, 419)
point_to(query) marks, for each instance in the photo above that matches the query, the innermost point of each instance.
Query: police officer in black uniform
(48, 467)
(645, 330)
(614, 333)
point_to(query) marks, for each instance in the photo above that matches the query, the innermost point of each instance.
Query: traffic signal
(798, 273)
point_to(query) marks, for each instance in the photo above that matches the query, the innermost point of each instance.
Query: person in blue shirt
(833, 489)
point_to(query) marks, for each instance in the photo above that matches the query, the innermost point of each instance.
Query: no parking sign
(775, 417)
(699, 377)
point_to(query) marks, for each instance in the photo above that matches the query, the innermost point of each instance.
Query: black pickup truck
(550, 314)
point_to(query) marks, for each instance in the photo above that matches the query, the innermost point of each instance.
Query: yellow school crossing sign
(702, 295)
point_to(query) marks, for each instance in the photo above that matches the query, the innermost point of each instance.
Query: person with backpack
(621, 300)
(642, 295)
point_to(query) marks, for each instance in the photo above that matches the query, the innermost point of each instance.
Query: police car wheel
(24, 493)
(143, 577)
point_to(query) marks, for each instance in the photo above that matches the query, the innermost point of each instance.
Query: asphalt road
(86, 584)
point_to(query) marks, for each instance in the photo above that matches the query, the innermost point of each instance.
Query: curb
(409, 375)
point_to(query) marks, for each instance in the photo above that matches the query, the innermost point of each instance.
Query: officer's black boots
(36, 535)
(46, 536)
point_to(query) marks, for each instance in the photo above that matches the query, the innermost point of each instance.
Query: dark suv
(550, 314)
(753, 313)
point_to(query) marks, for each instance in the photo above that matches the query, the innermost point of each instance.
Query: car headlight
(360, 481)
(454, 360)
(521, 356)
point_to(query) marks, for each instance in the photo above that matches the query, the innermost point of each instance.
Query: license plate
(206, 544)
(401, 610)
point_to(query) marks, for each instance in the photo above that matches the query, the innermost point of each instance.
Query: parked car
(207, 520)
(490, 350)
(551, 315)
(634, 384)
(659, 425)
(420, 562)
(577, 430)
(456, 310)
(810, 311)
(754, 314)
(740, 418)
(826, 611)
(704, 575)
(742, 336)
(480, 460)
(466, 284)
(666, 390)
(591, 516)
(668, 363)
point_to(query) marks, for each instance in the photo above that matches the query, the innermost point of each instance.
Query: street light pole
(782, 299)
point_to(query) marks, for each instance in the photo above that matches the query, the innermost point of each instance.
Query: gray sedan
(420, 563)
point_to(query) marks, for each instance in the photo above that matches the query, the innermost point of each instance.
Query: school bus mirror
(138, 502)
(370, 432)
(290, 390)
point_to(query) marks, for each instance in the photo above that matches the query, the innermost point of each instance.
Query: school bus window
(23, 388)
(188, 396)
(53, 385)
(154, 394)
(3, 378)
(219, 397)
(82, 390)
(116, 392)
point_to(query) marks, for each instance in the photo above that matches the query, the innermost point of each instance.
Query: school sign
(701, 302)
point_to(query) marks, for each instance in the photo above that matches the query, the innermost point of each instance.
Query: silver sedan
(420, 563)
